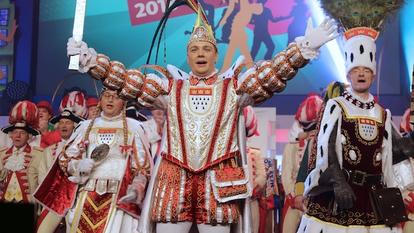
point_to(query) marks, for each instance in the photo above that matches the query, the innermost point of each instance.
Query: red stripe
(219, 118)
(180, 120)
(42, 217)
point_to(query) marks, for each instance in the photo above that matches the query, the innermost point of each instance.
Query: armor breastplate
(201, 123)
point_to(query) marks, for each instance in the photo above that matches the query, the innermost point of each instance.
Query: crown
(202, 30)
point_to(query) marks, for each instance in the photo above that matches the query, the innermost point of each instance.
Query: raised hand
(316, 37)
(87, 56)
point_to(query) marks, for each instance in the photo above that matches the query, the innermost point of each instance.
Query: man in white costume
(99, 180)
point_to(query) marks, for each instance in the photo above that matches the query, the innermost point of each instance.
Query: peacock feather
(361, 13)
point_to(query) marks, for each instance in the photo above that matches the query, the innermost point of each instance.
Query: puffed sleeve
(131, 83)
(270, 76)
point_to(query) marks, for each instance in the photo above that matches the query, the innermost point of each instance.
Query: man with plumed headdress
(359, 157)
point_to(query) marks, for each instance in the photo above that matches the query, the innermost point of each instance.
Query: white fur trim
(360, 51)
(331, 115)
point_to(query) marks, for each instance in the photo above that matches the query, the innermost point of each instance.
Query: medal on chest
(200, 99)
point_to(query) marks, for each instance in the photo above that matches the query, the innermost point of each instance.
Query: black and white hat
(360, 48)
(66, 114)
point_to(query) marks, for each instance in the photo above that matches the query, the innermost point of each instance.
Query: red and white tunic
(18, 173)
(201, 133)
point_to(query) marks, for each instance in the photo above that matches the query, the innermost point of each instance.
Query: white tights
(184, 227)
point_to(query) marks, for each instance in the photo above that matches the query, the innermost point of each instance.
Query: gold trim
(111, 211)
(340, 226)
(357, 117)
(78, 211)
(98, 208)
(93, 226)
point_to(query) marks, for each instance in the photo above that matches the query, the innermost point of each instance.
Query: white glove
(316, 37)
(85, 166)
(134, 195)
(87, 56)
(135, 191)
(80, 170)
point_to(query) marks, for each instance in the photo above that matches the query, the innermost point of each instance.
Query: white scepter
(77, 32)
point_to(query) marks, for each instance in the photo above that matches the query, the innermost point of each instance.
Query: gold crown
(202, 30)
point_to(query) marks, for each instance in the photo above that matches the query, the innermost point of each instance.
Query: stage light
(407, 35)
(333, 46)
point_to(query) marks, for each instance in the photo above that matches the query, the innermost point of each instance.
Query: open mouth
(201, 62)
(362, 81)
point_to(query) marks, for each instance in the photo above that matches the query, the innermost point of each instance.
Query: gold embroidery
(347, 148)
(345, 217)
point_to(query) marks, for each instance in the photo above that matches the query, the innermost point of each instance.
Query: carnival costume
(19, 166)
(357, 154)
(71, 105)
(202, 176)
(121, 163)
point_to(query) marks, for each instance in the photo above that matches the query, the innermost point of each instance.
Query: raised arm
(267, 77)
(131, 83)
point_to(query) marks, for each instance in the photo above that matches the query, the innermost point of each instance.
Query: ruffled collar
(16, 161)
(208, 80)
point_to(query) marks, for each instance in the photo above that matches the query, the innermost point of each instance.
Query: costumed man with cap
(358, 158)
(65, 123)
(99, 179)
(92, 105)
(202, 175)
(300, 142)
(19, 163)
(76, 99)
